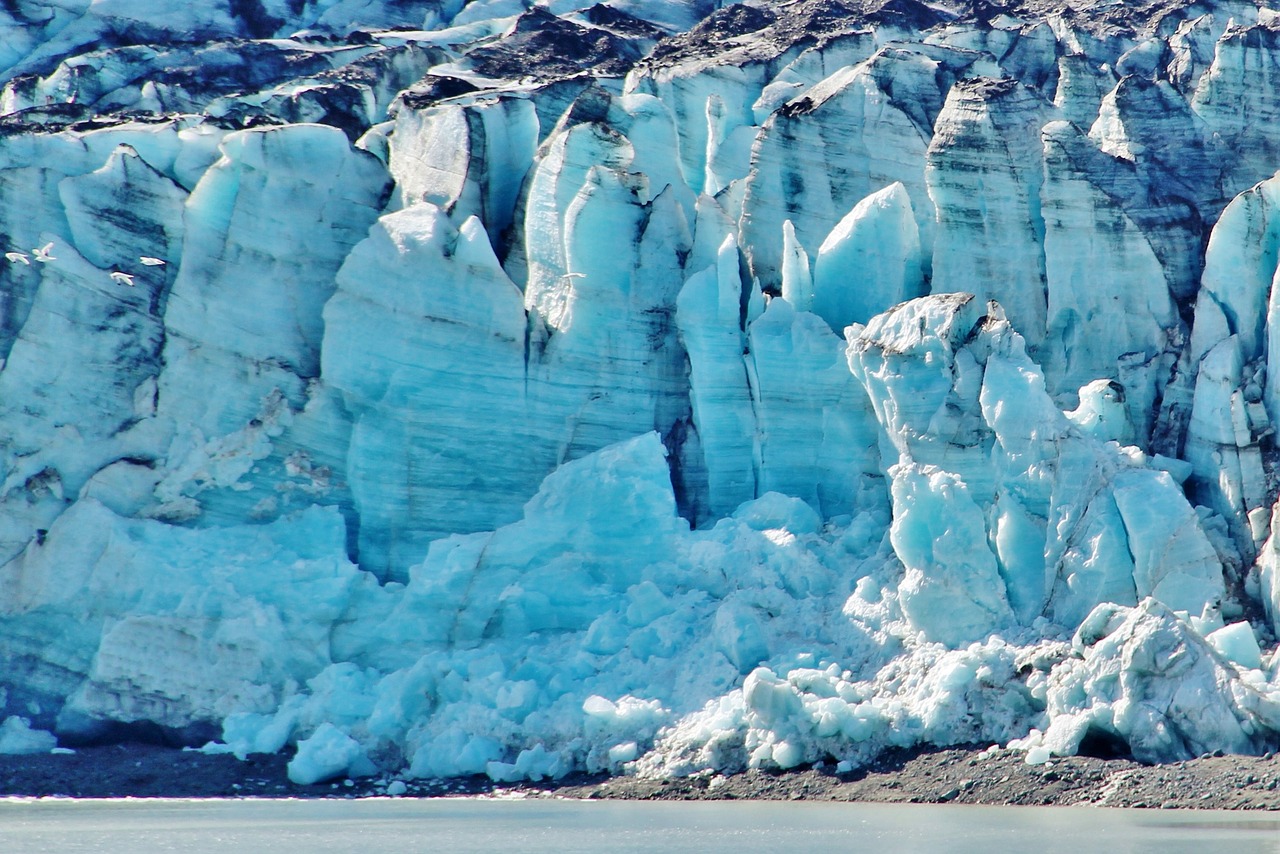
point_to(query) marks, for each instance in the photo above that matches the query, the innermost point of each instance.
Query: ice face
(934, 362)
(415, 347)
(135, 599)
(708, 314)
(837, 143)
(985, 182)
(416, 386)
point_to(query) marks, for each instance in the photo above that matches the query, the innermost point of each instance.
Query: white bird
(45, 253)
(151, 262)
(121, 278)
(19, 257)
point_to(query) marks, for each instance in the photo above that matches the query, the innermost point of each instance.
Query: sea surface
(541, 825)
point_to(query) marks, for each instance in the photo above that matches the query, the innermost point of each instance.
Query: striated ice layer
(212, 330)
(1110, 312)
(416, 368)
(1236, 93)
(846, 137)
(467, 159)
(984, 179)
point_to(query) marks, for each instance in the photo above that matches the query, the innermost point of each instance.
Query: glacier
(447, 388)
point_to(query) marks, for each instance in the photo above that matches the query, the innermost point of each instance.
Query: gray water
(511, 826)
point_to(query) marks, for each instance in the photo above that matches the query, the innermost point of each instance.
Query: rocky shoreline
(964, 775)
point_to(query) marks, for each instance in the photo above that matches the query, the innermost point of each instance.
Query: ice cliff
(451, 388)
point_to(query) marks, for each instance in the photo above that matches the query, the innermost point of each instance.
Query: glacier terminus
(446, 388)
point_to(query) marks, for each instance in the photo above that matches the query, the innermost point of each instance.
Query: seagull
(18, 257)
(151, 262)
(45, 253)
(121, 278)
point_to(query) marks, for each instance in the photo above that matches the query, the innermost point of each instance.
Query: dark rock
(622, 23)
(545, 47)
(434, 88)
(709, 36)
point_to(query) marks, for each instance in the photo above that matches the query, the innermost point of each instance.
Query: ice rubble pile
(521, 391)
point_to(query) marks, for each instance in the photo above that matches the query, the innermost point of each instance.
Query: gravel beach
(965, 775)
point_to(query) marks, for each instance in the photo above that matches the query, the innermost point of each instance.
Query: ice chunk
(588, 534)
(797, 280)
(247, 732)
(740, 637)
(325, 754)
(775, 510)
(1102, 413)
(816, 437)
(1237, 644)
(1147, 678)
(952, 591)
(1173, 559)
(457, 756)
(870, 261)
(17, 738)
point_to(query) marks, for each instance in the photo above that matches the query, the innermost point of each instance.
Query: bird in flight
(151, 262)
(121, 278)
(17, 257)
(44, 254)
